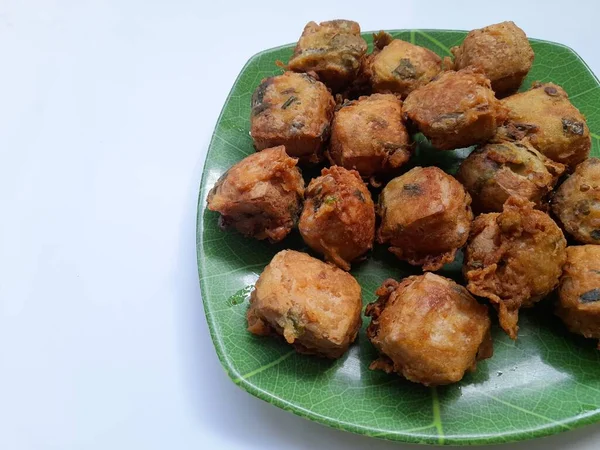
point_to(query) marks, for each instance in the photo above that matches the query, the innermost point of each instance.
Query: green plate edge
(504, 419)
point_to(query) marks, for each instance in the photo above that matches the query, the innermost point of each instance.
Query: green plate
(547, 381)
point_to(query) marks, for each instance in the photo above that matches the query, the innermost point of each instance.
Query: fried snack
(501, 51)
(338, 219)
(494, 172)
(333, 50)
(552, 124)
(428, 329)
(514, 258)
(458, 109)
(368, 135)
(425, 217)
(293, 110)
(315, 306)
(577, 202)
(579, 291)
(260, 196)
(400, 67)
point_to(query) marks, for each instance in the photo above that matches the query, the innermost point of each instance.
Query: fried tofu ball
(494, 172)
(514, 258)
(425, 217)
(333, 50)
(579, 291)
(400, 67)
(428, 329)
(293, 110)
(458, 109)
(552, 124)
(315, 306)
(368, 135)
(501, 51)
(577, 202)
(260, 196)
(338, 219)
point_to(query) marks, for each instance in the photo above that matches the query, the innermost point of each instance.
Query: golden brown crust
(400, 67)
(293, 110)
(457, 109)
(514, 258)
(368, 135)
(338, 219)
(260, 196)
(579, 291)
(576, 203)
(425, 217)
(496, 171)
(314, 306)
(428, 329)
(501, 51)
(333, 50)
(552, 124)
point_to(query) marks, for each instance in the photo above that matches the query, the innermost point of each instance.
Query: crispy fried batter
(457, 109)
(333, 50)
(579, 292)
(400, 67)
(501, 51)
(425, 217)
(577, 202)
(368, 135)
(260, 196)
(514, 258)
(552, 124)
(494, 172)
(428, 329)
(315, 306)
(338, 219)
(293, 110)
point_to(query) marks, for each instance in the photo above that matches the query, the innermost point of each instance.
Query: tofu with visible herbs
(333, 50)
(579, 291)
(293, 110)
(546, 117)
(576, 203)
(368, 135)
(399, 67)
(315, 306)
(456, 110)
(338, 219)
(425, 217)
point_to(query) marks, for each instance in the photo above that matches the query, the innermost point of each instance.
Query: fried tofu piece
(514, 258)
(315, 306)
(368, 135)
(260, 196)
(501, 51)
(399, 67)
(333, 50)
(494, 172)
(576, 203)
(338, 219)
(293, 110)
(546, 117)
(425, 217)
(428, 329)
(456, 110)
(579, 291)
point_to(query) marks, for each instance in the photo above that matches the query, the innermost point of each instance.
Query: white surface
(106, 111)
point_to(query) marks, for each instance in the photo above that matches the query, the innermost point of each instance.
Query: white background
(106, 111)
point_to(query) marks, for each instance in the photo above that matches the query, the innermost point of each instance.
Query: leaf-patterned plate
(545, 382)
